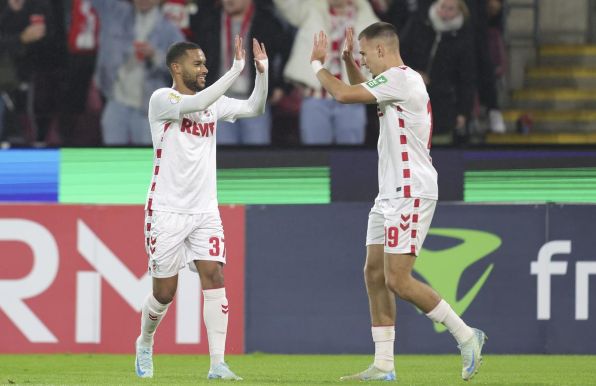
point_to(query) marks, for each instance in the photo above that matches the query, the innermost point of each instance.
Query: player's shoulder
(165, 94)
(164, 91)
(391, 75)
(405, 75)
(401, 72)
(413, 75)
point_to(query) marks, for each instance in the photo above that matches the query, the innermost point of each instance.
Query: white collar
(440, 25)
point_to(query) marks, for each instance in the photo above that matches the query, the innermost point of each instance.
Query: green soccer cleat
(371, 374)
(222, 371)
(144, 361)
(471, 354)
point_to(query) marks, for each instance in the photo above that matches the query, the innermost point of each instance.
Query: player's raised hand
(319, 49)
(259, 52)
(239, 52)
(347, 54)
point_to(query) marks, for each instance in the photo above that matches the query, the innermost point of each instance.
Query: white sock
(215, 315)
(443, 313)
(383, 336)
(151, 314)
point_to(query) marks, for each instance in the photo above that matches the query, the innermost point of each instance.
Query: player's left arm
(255, 104)
(341, 91)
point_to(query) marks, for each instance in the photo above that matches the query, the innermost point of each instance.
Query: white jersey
(405, 115)
(184, 172)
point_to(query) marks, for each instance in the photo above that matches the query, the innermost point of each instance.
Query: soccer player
(183, 224)
(401, 216)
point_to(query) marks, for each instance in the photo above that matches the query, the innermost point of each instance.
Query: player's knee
(373, 275)
(399, 286)
(164, 295)
(212, 279)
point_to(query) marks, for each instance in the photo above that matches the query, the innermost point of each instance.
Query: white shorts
(400, 224)
(174, 240)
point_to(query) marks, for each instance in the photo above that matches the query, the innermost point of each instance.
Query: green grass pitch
(266, 369)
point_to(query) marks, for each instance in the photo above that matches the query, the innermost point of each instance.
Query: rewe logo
(443, 269)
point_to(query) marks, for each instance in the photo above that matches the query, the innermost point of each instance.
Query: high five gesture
(239, 51)
(260, 55)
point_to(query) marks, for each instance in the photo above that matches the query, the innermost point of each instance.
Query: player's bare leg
(215, 315)
(382, 314)
(381, 300)
(399, 279)
(154, 309)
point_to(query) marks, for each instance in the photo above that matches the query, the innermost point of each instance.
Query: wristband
(238, 64)
(265, 63)
(316, 66)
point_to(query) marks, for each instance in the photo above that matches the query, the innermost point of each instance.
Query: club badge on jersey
(174, 98)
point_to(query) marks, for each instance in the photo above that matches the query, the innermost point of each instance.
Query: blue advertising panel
(304, 286)
(29, 175)
(492, 263)
(567, 310)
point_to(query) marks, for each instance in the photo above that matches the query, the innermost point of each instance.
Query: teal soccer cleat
(222, 371)
(371, 374)
(144, 362)
(471, 354)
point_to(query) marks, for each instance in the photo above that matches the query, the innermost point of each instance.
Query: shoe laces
(468, 349)
(144, 357)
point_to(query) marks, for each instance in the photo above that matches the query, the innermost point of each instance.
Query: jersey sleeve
(164, 105)
(390, 86)
(227, 108)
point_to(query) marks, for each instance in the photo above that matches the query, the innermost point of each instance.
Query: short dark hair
(177, 50)
(378, 30)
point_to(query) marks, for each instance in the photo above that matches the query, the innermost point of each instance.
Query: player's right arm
(354, 74)
(167, 104)
(343, 93)
(206, 97)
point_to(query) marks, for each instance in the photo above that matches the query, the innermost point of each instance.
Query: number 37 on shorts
(217, 247)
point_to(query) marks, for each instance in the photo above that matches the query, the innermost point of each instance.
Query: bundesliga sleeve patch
(377, 81)
(174, 98)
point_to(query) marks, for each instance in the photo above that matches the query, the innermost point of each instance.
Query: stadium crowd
(80, 72)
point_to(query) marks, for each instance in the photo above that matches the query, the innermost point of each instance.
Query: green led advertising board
(122, 176)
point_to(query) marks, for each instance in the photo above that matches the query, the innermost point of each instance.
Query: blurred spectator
(396, 12)
(440, 47)
(322, 119)
(486, 81)
(82, 40)
(496, 44)
(179, 13)
(48, 76)
(25, 30)
(130, 65)
(214, 29)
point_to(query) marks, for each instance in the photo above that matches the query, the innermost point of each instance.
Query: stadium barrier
(522, 273)
(109, 176)
(72, 279)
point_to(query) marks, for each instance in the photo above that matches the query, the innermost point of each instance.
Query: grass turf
(266, 369)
